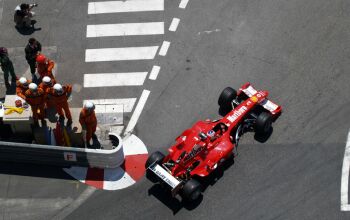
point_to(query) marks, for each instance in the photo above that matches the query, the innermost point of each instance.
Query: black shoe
(88, 145)
(94, 137)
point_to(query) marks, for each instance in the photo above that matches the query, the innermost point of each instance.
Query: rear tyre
(226, 97)
(263, 123)
(191, 191)
(156, 157)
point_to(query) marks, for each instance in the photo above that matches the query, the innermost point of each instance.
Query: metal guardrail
(64, 156)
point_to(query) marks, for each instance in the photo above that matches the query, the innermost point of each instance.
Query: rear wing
(166, 177)
(250, 91)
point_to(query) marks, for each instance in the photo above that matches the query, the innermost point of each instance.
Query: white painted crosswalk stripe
(128, 103)
(174, 23)
(183, 4)
(125, 6)
(132, 53)
(125, 29)
(154, 72)
(115, 54)
(114, 79)
(164, 49)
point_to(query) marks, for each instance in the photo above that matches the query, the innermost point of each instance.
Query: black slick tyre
(263, 123)
(227, 96)
(191, 191)
(156, 157)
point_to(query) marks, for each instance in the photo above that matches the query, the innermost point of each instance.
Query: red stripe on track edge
(134, 165)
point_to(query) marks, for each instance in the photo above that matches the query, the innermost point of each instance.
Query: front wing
(250, 91)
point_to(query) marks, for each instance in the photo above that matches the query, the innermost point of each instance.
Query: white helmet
(47, 80)
(89, 106)
(22, 80)
(33, 87)
(58, 87)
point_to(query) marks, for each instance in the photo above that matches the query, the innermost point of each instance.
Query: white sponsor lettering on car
(237, 113)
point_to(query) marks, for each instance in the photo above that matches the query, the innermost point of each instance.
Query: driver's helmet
(211, 133)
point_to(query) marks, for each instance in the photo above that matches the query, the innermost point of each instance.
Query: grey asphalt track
(297, 50)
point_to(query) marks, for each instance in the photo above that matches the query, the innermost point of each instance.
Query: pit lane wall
(63, 156)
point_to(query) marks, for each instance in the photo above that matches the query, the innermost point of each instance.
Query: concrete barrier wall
(63, 156)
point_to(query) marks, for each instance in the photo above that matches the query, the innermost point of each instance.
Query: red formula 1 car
(200, 150)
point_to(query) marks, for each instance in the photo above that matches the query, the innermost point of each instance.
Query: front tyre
(226, 97)
(263, 123)
(191, 191)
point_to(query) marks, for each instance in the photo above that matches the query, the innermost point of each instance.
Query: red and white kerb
(121, 177)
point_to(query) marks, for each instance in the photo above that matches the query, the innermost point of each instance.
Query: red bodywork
(203, 155)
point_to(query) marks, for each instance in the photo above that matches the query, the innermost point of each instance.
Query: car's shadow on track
(163, 193)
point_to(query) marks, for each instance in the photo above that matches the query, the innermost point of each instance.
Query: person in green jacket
(7, 66)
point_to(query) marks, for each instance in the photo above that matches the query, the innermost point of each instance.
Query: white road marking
(174, 23)
(128, 103)
(164, 49)
(125, 6)
(133, 146)
(115, 54)
(114, 79)
(344, 200)
(137, 112)
(209, 32)
(1, 9)
(183, 3)
(154, 72)
(74, 205)
(116, 178)
(125, 29)
(108, 108)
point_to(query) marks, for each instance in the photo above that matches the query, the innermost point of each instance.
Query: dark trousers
(32, 66)
(7, 71)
